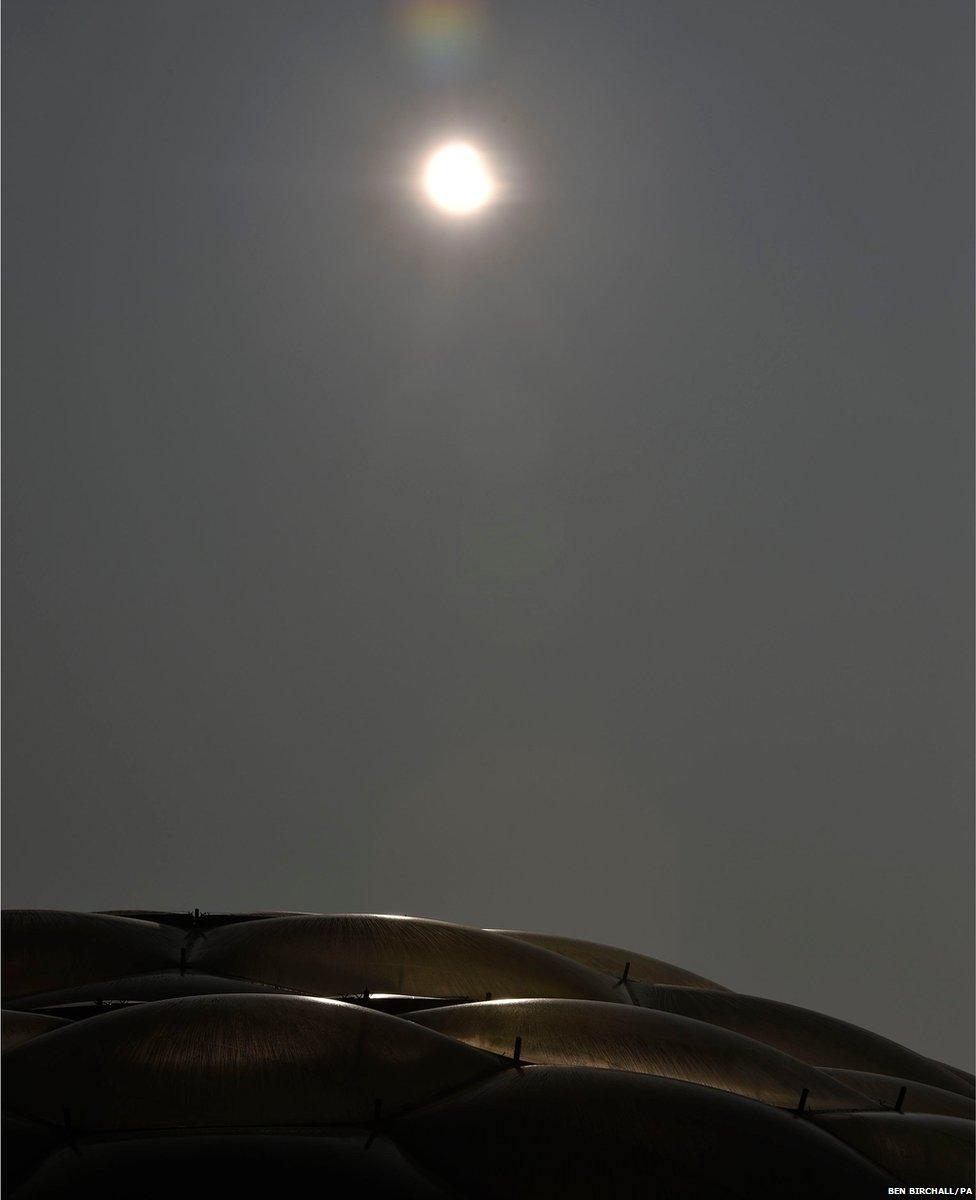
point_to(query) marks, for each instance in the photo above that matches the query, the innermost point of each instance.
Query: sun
(457, 180)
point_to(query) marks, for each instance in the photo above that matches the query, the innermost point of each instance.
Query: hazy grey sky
(600, 567)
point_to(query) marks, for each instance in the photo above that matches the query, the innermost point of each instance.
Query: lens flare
(445, 39)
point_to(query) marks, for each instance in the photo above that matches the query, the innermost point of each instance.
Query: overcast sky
(599, 565)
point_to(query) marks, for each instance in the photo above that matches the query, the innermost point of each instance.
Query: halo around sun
(457, 180)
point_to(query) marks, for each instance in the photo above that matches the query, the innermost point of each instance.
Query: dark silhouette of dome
(588, 1132)
(235, 1164)
(916, 1148)
(20, 1027)
(263, 1054)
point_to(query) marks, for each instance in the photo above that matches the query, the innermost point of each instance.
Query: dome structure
(356, 953)
(48, 949)
(809, 1036)
(591, 1132)
(917, 1097)
(20, 1027)
(268, 1053)
(582, 1033)
(613, 960)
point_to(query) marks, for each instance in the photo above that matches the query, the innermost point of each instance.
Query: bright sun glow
(457, 179)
